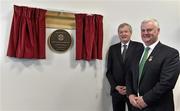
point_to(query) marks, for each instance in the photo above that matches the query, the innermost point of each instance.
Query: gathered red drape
(89, 36)
(27, 36)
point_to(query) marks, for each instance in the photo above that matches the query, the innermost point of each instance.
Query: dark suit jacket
(116, 68)
(158, 79)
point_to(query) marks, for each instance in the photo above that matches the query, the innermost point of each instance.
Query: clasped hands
(137, 101)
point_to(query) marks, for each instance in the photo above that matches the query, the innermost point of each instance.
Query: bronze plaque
(59, 41)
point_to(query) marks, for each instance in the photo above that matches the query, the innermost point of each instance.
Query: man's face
(124, 34)
(149, 33)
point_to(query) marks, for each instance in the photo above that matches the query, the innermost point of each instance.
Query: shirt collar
(152, 45)
(126, 43)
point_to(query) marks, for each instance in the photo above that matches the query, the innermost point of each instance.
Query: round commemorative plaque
(59, 41)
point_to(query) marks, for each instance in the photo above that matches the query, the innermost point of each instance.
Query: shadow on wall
(25, 63)
(106, 102)
(114, 40)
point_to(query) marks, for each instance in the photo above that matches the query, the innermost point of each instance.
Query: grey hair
(156, 23)
(123, 25)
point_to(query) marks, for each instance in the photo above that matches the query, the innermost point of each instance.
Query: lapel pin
(150, 58)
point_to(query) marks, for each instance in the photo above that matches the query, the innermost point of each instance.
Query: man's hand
(141, 102)
(132, 99)
(137, 101)
(121, 89)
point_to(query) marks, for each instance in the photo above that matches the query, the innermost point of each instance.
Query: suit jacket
(116, 68)
(158, 79)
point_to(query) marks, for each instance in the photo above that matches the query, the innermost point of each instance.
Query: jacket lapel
(119, 55)
(129, 51)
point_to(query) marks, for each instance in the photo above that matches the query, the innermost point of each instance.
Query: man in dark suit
(151, 80)
(119, 58)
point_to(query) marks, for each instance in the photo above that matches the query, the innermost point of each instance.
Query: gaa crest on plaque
(59, 41)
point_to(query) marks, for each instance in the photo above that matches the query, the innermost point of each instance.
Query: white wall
(59, 83)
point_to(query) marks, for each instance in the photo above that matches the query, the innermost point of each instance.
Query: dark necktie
(142, 62)
(124, 52)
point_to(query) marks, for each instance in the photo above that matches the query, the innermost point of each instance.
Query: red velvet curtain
(27, 36)
(89, 36)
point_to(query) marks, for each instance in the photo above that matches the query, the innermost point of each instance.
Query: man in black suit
(119, 57)
(150, 83)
